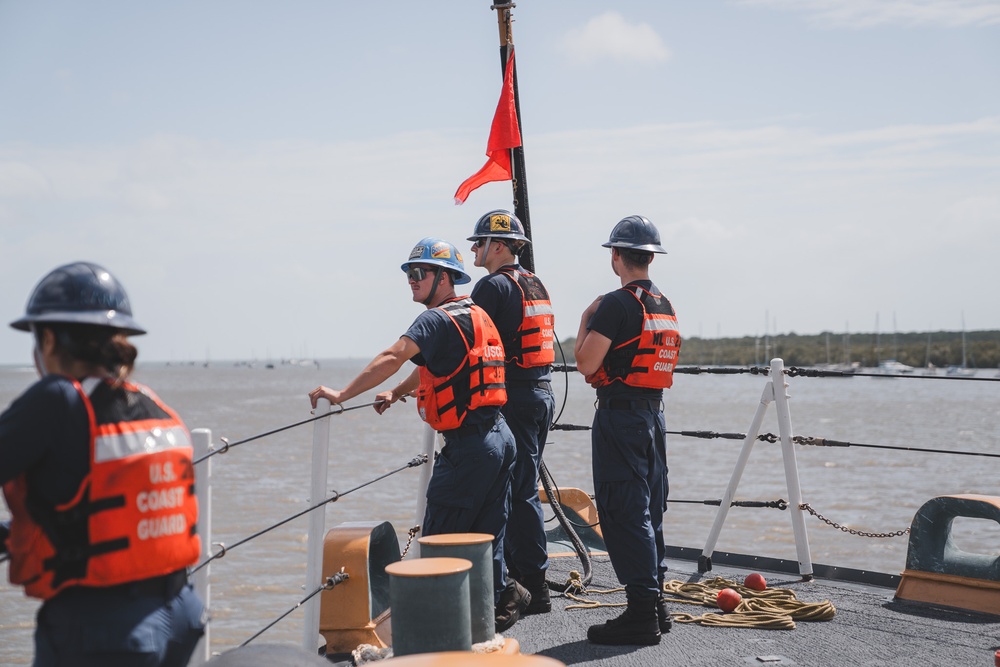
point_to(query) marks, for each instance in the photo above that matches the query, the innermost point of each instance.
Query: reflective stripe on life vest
(532, 344)
(134, 515)
(648, 360)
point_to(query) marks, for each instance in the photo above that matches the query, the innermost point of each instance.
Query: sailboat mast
(519, 180)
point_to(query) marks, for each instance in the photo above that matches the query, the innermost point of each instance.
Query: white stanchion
(774, 391)
(430, 441)
(791, 468)
(201, 440)
(311, 638)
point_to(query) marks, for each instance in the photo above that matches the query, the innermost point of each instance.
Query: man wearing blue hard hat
(459, 385)
(627, 347)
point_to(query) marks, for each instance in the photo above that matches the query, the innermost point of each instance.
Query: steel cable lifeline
(806, 440)
(328, 585)
(413, 463)
(229, 445)
(797, 371)
(779, 504)
(794, 371)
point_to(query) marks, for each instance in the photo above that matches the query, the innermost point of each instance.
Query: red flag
(504, 135)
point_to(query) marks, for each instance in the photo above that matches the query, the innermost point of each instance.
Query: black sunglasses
(417, 273)
(479, 243)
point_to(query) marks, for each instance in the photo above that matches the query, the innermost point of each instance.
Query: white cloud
(271, 230)
(974, 215)
(871, 13)
(705, 230)
(18, 179)
(611, 36)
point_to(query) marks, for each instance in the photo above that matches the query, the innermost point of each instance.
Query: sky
(254, 173)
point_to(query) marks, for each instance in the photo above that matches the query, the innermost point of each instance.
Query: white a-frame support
(774, 390)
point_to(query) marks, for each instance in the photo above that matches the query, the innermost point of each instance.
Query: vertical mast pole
(519, 181)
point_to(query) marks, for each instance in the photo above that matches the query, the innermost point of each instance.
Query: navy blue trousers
(469, 491)
(529, 414)
(92, 627)
(630, 487)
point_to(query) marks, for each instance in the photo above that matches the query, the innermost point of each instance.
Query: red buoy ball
(728, 599)
(755, 581)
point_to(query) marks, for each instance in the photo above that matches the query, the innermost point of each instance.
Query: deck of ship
(869, 628)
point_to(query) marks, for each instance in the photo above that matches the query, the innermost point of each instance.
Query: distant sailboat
(845, 366)
(963, 370)
(929, 368)
(889, 367)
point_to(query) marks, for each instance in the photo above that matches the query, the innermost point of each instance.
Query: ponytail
(104, 347)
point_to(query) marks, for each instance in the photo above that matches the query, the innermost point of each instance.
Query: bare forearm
(581, 335)
(407, 386)
(380, 369)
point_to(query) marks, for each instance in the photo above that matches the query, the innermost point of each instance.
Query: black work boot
(638, 625)
(540, 601)
(662, 615)
(513, 601)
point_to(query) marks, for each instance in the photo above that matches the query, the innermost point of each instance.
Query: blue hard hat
(430, 250)
(80, 293)
(499, 224)
(635, 233)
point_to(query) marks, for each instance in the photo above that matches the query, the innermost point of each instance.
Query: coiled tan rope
(771, 608)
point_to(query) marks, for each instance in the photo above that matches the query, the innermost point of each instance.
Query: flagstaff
(519, 179)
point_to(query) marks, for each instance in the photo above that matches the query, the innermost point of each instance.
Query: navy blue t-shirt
(442, 349)
(619, 318)
(503, 302)
(45, 434)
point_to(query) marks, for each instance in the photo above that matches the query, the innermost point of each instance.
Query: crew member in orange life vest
(459, 384)
(98, 476)
(519, 305)
(627, 347)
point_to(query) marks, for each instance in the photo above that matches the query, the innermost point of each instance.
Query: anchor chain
(852, 531)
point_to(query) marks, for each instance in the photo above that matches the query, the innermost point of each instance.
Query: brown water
(260, 483)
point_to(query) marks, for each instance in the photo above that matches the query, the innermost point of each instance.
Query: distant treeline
(939, 348)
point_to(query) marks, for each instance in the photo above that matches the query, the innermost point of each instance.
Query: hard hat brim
(106, 318)
(647, 247)
(515, 237)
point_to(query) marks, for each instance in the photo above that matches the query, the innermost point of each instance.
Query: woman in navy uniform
(97, 473)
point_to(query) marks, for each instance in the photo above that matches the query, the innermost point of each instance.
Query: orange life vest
(134, 514)
(647, 360)
(478, 381)
(531, 344)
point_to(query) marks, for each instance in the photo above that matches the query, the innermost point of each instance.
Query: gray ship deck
(869, 628)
